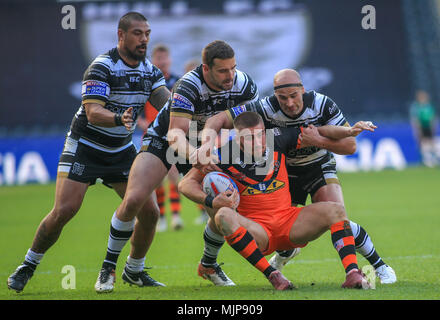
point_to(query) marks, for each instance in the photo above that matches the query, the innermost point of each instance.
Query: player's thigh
(146, 174)
(314, 220)
(329, 192)
(69, 195)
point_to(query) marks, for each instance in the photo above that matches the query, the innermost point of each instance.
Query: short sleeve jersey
(116, 86)
(318, 110)
(263, 184)
(192, 98)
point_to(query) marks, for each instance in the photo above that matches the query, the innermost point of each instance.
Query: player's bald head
(288, 89)
(287, 77)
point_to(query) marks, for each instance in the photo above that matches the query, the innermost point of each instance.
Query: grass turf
(399, 210)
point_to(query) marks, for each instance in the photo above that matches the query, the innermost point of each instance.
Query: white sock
(213, 244)
(135, 265)
(33, 257)
(120, 233)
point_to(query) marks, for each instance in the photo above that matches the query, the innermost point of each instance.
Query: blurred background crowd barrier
(371, 72)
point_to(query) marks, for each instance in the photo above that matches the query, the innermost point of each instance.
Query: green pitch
(399, 209)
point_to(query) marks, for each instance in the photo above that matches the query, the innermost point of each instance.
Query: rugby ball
(218, 182)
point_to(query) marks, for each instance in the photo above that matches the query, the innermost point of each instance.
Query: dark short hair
(126, 19)
(247, 119)
(217, 49)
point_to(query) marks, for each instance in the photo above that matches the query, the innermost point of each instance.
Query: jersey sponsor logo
(96, 88)
(263, 187)
(237, 110)
(181, 102)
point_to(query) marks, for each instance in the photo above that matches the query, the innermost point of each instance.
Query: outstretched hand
(361, 126)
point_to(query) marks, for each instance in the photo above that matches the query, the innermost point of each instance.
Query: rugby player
(214, 86)
(266, 220)
(99, 144)
(161, 58)
(311, 170)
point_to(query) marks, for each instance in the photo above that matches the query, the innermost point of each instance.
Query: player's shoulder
(190, 85)
(316, 100)
(108, 59)
(192, 79)
(269, 104)
(242, 81)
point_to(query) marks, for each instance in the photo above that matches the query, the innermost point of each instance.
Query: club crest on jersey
(181, 102)
(263, 187)
(96, 88)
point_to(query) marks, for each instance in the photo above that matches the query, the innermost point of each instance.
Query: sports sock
(32, 259)
(213, 244)
(135, 265)
(174, 199)
(343, 241)
(160, 194)
(120, 232)
(243, 242)
(365, 246)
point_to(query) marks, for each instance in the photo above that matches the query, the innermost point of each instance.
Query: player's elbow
(183, 187)
(351, 148)
(92, 113)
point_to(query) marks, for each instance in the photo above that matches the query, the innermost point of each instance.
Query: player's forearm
(345, 146)
(191, 189)
(214, 125)
(334, 132)
(99, 116)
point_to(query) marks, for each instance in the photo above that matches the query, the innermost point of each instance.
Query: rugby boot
(355, 280)
(278, 261)
(386, 274)
(279, 281)
(20, 277)
(214, 274)
(140, 279)
(106, 280)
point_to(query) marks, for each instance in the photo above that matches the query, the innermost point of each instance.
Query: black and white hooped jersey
(110, 82)
(192, 98)
(318, 110)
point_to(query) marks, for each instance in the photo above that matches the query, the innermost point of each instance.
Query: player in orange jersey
(266, 220)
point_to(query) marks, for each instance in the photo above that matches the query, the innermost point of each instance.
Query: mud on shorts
(305, 180)
(82, 163)
(159, 146)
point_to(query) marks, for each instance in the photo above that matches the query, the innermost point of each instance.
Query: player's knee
(62, 213)
(335, 213)
(132, 204)
(223, 215)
